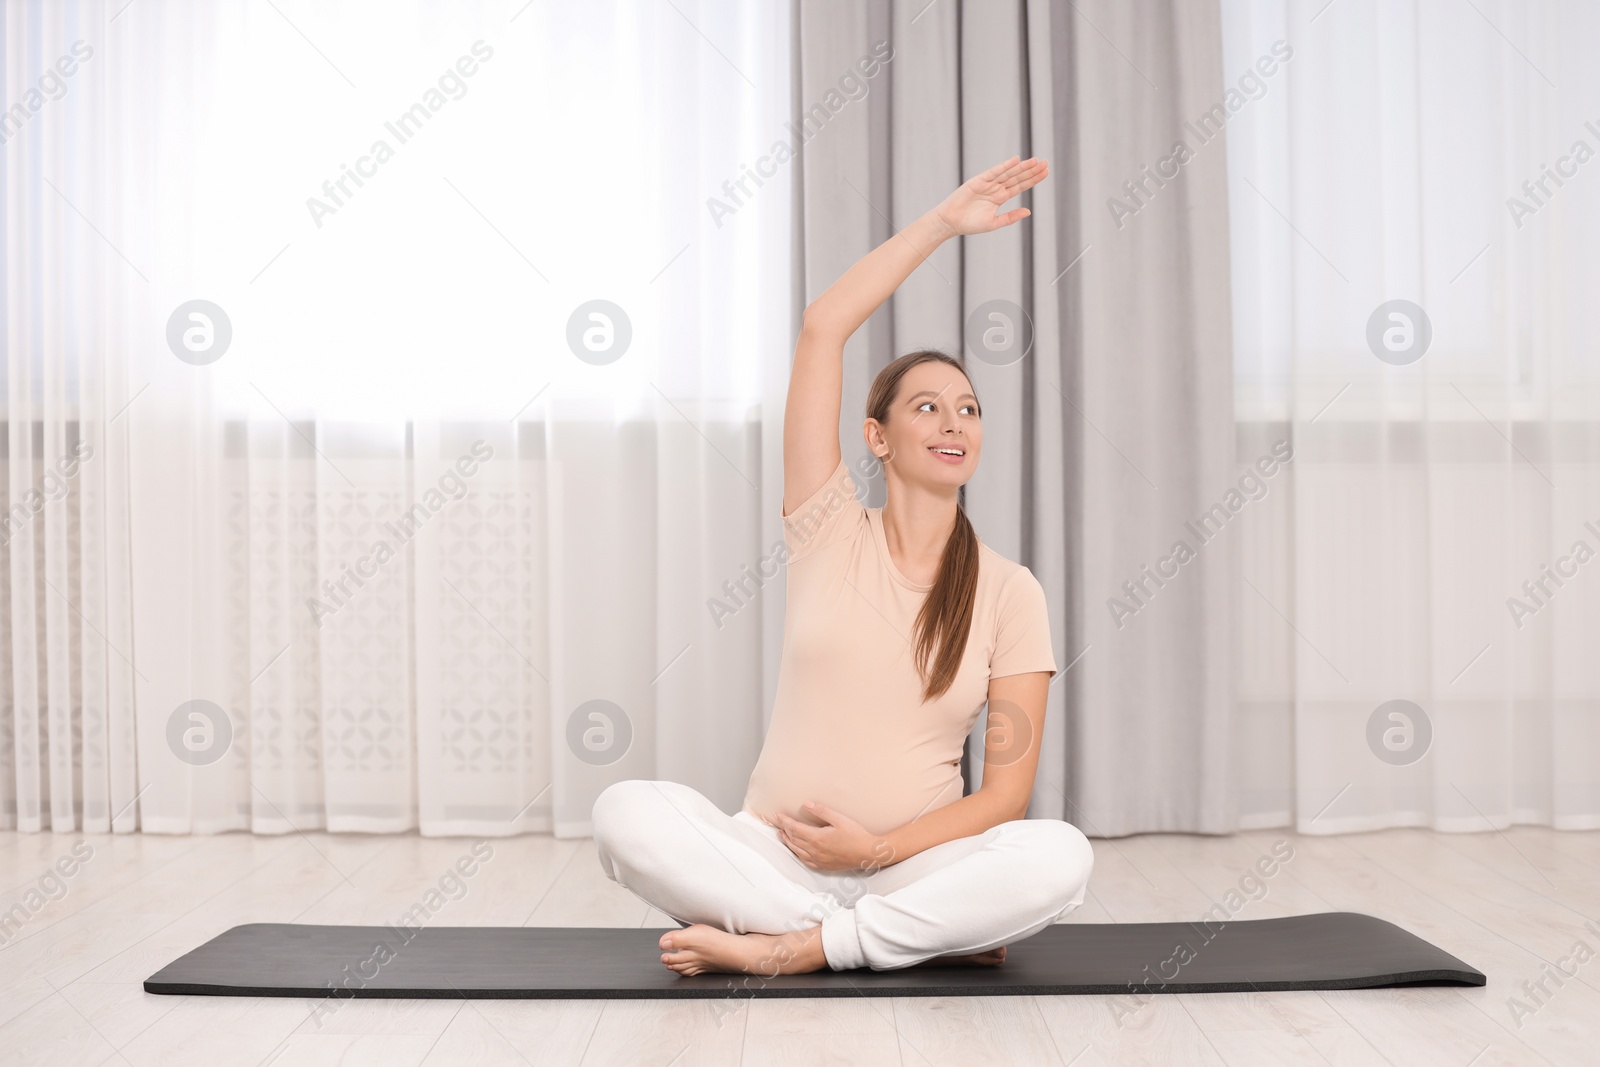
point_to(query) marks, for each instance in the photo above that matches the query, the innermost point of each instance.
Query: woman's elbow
(1014, 808)
(817, 323)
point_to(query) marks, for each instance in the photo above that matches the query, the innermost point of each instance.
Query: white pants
(681, 854)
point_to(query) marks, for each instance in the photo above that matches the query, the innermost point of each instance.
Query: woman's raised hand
(974, 207)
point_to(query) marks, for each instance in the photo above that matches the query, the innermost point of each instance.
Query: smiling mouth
(949, 454)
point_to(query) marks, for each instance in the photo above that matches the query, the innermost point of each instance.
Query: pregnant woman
(854, 846)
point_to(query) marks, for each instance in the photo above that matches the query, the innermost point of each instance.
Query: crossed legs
(681, 854)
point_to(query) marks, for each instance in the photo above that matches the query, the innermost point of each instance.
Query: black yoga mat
(1335, 950)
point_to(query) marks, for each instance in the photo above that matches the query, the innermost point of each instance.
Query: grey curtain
(1115, 432)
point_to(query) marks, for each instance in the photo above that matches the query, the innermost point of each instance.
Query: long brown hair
(945, 620)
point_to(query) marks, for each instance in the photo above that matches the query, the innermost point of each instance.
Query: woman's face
(933, 415)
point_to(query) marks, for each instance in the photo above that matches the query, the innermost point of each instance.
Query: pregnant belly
(882, 796)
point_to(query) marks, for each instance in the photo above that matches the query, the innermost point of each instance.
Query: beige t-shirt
(849, 728)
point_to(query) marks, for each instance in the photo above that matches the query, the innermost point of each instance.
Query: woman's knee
(620, 807)
(1066, 859)
(642, 811)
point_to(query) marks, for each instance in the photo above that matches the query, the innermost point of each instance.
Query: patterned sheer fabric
(416, 386)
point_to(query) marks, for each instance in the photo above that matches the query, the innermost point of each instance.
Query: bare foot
(700, 948)
(993, 958)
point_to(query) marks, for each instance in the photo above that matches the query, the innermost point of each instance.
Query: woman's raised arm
(816, 380)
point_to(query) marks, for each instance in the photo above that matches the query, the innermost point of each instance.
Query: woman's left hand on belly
(841, 845)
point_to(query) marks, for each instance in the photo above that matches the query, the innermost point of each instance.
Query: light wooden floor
(1505, 903)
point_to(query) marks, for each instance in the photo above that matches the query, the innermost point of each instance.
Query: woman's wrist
(926, 234)
(883, 853)
(934, 228)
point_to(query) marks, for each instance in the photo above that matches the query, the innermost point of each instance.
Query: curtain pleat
(1129, 367)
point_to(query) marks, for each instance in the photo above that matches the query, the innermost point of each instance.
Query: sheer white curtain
(431, 540)
(1427, 494)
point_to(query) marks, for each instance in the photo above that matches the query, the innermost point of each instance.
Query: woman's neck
(917, 524)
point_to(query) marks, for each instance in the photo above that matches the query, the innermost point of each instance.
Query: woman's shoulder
(998, 574)
(1016, 612)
